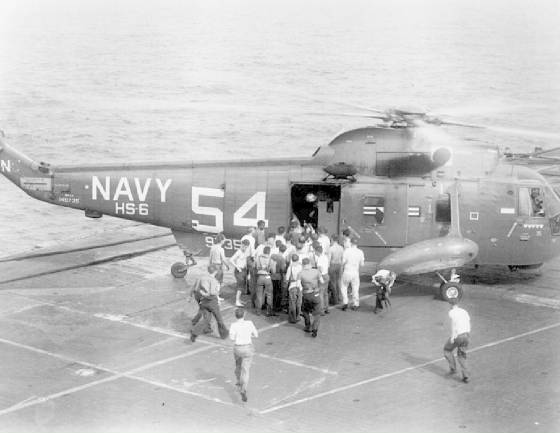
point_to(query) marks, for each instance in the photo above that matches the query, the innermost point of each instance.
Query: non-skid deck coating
(105, 348)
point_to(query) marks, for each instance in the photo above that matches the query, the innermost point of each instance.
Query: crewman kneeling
(383, 281)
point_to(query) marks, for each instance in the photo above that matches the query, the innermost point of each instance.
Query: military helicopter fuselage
(416, 204)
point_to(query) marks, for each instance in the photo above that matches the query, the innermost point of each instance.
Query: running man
(241, 332)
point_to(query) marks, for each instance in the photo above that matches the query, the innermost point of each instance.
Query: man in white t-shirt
(352, 260)
(459, 339)
(239, 261)
(241, 332)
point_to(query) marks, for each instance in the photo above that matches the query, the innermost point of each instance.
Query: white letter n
(96, 185)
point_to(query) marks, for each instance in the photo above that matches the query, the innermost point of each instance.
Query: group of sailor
(300, 271)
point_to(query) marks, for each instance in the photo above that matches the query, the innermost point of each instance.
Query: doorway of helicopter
(317, 205)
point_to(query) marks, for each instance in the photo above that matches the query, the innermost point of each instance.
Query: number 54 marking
(240, 219)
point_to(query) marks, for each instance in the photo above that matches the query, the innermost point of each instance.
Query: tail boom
(35, 178)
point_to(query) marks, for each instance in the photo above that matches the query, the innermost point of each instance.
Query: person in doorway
(241, 332)
(459, 339)
(352, 260)
(209, 305)
(311, 215)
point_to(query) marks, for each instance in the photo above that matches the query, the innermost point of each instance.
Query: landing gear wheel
(179, 270)
(451, 291)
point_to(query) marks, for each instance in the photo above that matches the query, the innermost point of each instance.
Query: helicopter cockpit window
(531, 202)
(537, 202)
(552, 209)
(374, 208)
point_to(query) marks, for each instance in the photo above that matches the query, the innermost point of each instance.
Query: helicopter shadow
(490, 275)
(496, 275)
(413, 286)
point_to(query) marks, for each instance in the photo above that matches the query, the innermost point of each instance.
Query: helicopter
(418, 200)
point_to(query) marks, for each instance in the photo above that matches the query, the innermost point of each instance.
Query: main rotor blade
(347, 114)
(507, 130)
(488, 107)
(362, 107)
(344, 103)
(546, 153)
(525, 132)
(544, 157)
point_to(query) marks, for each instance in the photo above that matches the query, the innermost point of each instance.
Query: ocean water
(105, 81)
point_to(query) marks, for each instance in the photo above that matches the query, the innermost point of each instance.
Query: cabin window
(374, 210)
(443, 209)
(555, 225)
(531, 202)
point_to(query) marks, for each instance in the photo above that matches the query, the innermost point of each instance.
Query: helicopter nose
(431, 255)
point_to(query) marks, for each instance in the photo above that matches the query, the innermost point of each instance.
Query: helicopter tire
(451, 291)
(179, 269)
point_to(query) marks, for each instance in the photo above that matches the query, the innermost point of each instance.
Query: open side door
(377, 212)
(317, 204)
